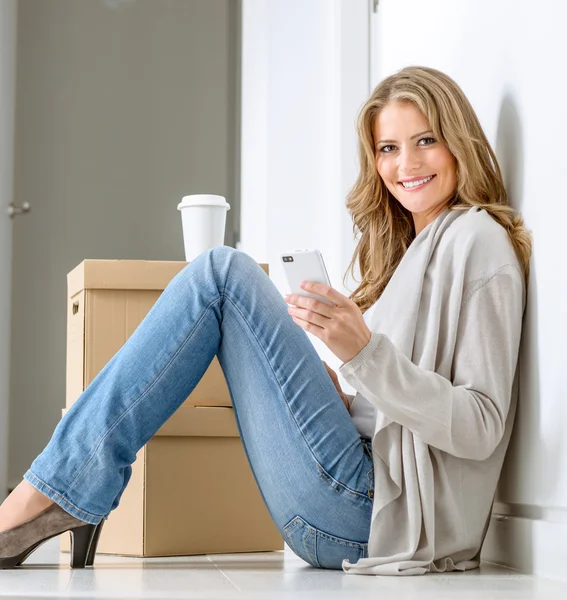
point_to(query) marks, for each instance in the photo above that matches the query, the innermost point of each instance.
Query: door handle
(13, 210)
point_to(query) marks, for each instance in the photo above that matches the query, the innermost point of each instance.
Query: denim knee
(221, 255)
(224, 259)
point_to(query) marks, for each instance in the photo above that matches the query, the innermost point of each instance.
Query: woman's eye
(386, 149)
(428, 141)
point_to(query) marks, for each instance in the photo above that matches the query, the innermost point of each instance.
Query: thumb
(332, 374)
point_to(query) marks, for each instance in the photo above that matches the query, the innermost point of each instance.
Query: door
(376, 66)
(123, 108)
(7, 92)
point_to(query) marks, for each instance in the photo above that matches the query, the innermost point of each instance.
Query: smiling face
(418, 170)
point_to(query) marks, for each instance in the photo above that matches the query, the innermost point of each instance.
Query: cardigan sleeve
(466, 416)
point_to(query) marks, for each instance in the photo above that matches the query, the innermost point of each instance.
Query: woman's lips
(417, 187)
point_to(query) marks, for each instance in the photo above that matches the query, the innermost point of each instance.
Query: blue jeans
(313, 469)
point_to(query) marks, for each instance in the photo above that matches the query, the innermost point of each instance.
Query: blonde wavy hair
(386, 227)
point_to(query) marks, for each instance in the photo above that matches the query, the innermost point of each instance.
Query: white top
(440, 371)
(363, 414)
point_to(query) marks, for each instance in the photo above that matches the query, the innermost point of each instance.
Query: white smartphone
(305, 265)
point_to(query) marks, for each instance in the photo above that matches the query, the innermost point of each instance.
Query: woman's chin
(418, 205)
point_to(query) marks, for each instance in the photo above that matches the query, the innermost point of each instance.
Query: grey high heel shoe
(18, 543)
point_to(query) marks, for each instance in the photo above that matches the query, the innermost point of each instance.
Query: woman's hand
(335, 380)
(340, 327)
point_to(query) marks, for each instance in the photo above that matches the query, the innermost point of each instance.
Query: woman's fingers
(322, 289)
(309, 304)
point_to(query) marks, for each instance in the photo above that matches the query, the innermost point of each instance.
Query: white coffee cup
(203, 217)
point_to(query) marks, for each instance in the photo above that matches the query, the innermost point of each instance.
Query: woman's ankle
(33, 495)
(26, 495)
(23, 503)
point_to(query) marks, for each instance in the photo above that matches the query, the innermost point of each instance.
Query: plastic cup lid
(203, 200)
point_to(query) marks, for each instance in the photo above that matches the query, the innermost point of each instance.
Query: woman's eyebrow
(411, 138)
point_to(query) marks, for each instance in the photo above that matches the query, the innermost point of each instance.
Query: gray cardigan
(440, 369)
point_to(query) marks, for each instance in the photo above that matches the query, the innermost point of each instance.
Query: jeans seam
(342, 541)
(320, 467)
(310, 536)
(274, 374)
(31, 475)
(298, 521)
(325, 476)
(143, 394)
(228, 298)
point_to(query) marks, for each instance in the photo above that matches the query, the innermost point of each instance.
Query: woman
(429, 340)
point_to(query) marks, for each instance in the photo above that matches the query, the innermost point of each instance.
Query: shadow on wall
(510, 153)
(531, 460)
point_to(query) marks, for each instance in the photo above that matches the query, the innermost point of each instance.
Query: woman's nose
(408, 161)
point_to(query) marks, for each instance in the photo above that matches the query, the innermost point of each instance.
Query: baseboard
(529, 539)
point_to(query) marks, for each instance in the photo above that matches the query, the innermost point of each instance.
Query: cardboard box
(191, 492)
(107, 300)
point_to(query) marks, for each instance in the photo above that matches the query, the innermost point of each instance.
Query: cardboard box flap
(122, 275)
(199, 421)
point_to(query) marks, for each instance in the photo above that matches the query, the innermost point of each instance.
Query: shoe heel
(81, 539)
(94, 544)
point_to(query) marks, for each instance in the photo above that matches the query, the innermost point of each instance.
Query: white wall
(305, 73)
(507, 56)
(7, 92)
(305, 66)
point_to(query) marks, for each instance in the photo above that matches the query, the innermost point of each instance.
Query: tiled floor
(278, 575)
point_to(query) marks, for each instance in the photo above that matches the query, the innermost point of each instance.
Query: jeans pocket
(319, 548)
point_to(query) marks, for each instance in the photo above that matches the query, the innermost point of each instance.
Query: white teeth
(410, 184)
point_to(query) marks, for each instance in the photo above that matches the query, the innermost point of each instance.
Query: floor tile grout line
(224, 574)
(282, 580)
(511, 571)
(71, 574)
